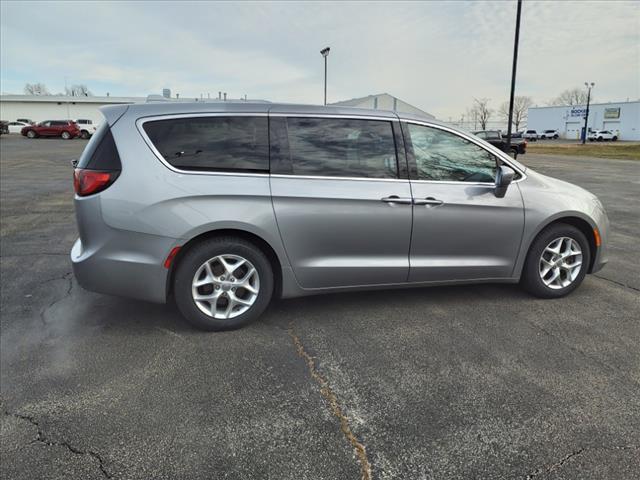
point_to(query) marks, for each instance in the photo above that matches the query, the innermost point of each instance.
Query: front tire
(557, 262)
(65, 135)
(84, 134)
(223, 283)
(31, 134)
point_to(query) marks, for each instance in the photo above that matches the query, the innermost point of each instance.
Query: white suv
(550, 134)
(530, 135)
(600, 135)
(87, 127)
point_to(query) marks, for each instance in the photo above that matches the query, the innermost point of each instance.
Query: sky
(436, 55)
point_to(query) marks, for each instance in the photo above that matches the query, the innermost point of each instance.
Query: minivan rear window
(212, 143)
(342, 147)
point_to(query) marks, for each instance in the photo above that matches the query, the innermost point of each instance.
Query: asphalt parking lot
(440, 383)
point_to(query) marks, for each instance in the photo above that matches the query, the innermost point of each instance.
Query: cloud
(435, 55)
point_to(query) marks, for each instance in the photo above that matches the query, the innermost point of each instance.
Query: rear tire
(540, 256)
(84, 134)
(614, 139)
(65, 135)
(215, 280)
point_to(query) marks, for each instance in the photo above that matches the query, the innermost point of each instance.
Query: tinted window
(342, 147)
(101, 152)
(212, 143)
(444, 156)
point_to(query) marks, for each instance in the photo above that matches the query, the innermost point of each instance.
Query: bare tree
(78, 91)
(480, 112)
(520, 109)
(35, 89)
(573, 96)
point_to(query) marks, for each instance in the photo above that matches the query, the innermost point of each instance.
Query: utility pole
(586, 114)
(325, 54)
(513, 75)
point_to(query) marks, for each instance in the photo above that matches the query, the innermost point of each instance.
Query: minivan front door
(343, 212)
(461, 230)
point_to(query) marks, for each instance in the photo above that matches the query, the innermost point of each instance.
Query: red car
(66, 129)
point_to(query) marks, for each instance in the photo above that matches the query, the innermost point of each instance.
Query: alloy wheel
(560, 263)
(225, 286)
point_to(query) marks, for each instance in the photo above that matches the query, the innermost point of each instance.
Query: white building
(57, 107)
(383, 101)
(620, 117)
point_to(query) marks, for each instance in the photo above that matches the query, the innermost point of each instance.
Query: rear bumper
(127, 264)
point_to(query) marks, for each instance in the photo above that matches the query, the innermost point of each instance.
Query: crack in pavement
(42, 438)
(329, 395)
(67, 276)
(580, 451)
(615, 282)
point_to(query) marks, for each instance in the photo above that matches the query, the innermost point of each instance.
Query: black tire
(530, 278)
(614, 139)
(555, 137)
(197, 256)
(600, 139)
(31, 134)
(65, 135)
(84, 134)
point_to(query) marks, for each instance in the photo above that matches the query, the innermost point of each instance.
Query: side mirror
(504, 177)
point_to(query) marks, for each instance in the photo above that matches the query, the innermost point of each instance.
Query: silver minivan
(222, 206)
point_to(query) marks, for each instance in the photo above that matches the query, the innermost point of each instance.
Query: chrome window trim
(141, 121)
(501, 155)
(359, 179)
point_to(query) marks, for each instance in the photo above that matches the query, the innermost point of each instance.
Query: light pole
(325, 54)
(586, 114)
(513, 75)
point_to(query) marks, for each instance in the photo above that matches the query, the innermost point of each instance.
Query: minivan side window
(214, 143)
(443, 156)
(342, 147)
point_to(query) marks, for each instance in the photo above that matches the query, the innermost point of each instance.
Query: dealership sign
(578, 112)
(612, 112)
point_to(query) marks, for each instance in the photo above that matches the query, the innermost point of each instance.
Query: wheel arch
(253, 238)
(586, 226)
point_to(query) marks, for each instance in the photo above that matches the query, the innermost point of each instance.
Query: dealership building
(623, 118)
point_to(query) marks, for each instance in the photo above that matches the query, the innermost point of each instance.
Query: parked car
(531, 135)
(66, 129)
(16, 127)
(86, 126)
(223, 207)
(495, 138)
(600, 135)
(550, 134)
(4, 127)
(26, 120)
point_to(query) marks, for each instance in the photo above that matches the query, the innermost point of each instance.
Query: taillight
(88, 182)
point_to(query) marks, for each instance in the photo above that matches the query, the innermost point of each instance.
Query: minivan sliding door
(343, 212)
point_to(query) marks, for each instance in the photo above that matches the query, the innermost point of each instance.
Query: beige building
(383, 101)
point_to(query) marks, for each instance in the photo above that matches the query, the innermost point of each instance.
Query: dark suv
(66, 129)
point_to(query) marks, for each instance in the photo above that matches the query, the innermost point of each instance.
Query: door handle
(427, 201)
(397, 199)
